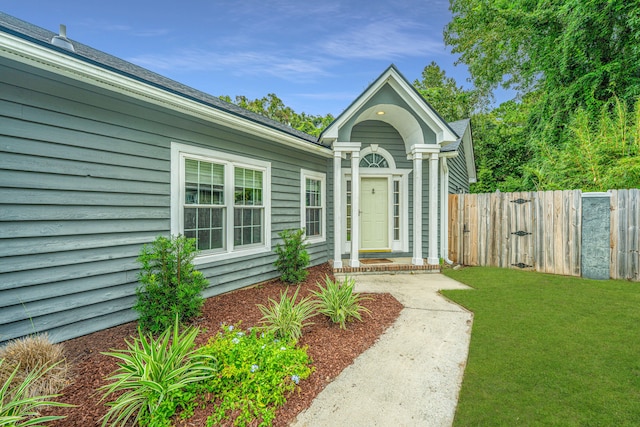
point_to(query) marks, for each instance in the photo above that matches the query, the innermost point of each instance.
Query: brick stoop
(387, 268)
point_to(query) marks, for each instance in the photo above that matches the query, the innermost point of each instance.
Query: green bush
(170, 285)
(256, 373)
(293, 258)
(285, 319)
(338, 302)
(153, 375)
(18, 406)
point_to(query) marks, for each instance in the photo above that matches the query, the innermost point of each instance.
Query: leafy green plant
(170, 285)
(18, 405)
(152, 375)
(256, 373)
(338, 302)
(286, 318)
(293, 257)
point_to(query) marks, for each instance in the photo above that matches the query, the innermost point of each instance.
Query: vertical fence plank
(538, 200)
(633, 230)
(576, 232)
(452, 238)
(623, 221)
(613, 266)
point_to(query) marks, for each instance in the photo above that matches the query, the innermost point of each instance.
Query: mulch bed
(332, 349)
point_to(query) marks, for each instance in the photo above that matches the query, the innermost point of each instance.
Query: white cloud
(386, 40)
(239, 63)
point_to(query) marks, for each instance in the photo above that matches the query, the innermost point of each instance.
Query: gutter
(77, 68)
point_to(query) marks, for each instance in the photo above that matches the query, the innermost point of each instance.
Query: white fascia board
(22, 51)
(443, 133)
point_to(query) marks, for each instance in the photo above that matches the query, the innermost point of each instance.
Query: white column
(417, 209)
(355, 208)
(337, 209)
(444, 210)
(433, 210)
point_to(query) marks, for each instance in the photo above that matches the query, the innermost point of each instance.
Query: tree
(501, 148)
(451, 101)
(576, 53)
(273, 107)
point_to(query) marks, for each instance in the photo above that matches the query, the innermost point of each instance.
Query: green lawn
(549, 350)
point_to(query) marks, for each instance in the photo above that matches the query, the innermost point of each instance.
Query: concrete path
(411, 376)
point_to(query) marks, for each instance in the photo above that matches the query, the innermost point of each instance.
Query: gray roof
(459, 127)
(35, 34)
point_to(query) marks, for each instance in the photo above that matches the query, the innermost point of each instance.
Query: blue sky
(316, 56)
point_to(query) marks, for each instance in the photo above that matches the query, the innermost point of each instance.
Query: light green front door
(374, 214)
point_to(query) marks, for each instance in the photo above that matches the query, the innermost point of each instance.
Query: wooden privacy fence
(542, 231)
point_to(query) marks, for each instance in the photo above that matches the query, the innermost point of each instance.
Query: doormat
(375, 261)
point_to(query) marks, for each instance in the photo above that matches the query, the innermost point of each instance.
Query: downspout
(444, 211)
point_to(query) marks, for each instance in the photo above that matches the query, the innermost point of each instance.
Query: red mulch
(331, 348)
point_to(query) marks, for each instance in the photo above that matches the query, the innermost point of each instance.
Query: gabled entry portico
(386, 175)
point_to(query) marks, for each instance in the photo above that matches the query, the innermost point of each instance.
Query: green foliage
(338, 302)
(18, 405)
(170, 285)
(570, 55)
(293, 257)
(273, 107)
(286, 318)
(451, 101)
(599, 154)
(501, 147)
(548, 350)
(256, 373)
(151, 380)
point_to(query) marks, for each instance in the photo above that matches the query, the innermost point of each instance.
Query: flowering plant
(256, 373)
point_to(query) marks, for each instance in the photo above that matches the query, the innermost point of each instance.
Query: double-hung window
(221, 200)
(313, 208)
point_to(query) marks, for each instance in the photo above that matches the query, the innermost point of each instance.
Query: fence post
(596, 247)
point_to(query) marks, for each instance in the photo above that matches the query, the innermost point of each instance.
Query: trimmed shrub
(170, 284)
(293, 258)
(338, 302)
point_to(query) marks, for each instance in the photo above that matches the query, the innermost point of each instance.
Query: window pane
(204, 182)
(204, 239)
(247, 187)
(247, 226)
(189, 218)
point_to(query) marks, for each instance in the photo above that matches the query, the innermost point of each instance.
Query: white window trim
(322, 177)
(178, 153)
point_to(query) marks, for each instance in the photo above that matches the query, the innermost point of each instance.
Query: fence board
(485, 224)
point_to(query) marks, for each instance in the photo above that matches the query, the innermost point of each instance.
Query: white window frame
(179, 152)
(322, 177)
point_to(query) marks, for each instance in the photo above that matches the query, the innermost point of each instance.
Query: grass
(549, 350)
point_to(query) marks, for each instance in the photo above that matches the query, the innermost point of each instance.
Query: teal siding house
(99, 156)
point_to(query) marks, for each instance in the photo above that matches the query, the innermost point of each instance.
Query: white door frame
(392, 175)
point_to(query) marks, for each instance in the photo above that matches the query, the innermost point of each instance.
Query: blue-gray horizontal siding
(458, 174)
(85, 182)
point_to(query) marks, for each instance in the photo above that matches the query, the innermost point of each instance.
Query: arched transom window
(374, 160)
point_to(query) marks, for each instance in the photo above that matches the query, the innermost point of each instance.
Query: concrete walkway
(411, 376)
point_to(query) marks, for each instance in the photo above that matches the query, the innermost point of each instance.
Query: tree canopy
(575, 60)
(273, 107)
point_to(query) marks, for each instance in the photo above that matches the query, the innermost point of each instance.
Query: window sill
(223, 256)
